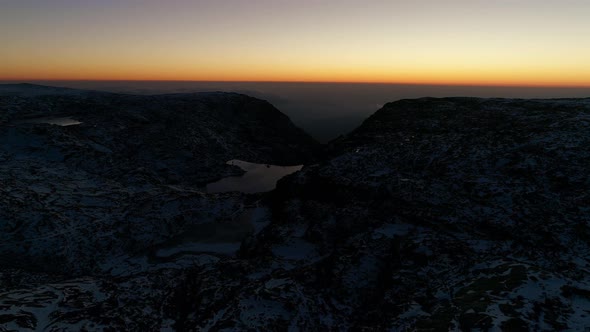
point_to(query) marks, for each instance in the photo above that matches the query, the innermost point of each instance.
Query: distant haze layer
(325, 110)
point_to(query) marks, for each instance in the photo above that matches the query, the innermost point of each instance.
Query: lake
(258, 178)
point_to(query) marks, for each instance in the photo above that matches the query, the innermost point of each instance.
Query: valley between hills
(435, 214)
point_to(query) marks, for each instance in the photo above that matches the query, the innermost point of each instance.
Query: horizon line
(466, 84)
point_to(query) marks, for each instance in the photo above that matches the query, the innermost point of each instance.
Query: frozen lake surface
(62, 121)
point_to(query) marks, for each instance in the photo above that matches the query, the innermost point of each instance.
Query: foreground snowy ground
(435, 215)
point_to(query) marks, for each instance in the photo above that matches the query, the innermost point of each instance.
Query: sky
(475, 42)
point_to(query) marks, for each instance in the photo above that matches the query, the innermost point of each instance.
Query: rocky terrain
(116, 199)
(457, 214)
(434, 215)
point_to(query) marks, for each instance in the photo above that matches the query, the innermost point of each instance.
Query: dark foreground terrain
(434, 215)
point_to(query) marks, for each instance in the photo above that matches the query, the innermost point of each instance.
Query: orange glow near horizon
(441, 77)
(460, 42)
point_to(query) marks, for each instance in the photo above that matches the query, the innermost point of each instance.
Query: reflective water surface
(258, 178)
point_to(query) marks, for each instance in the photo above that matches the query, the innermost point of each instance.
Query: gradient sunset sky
(496, 42)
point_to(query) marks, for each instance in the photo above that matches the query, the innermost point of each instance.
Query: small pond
(258, 178)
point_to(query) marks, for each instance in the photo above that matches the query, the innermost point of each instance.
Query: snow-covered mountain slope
(434, 215)
(91, 209)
